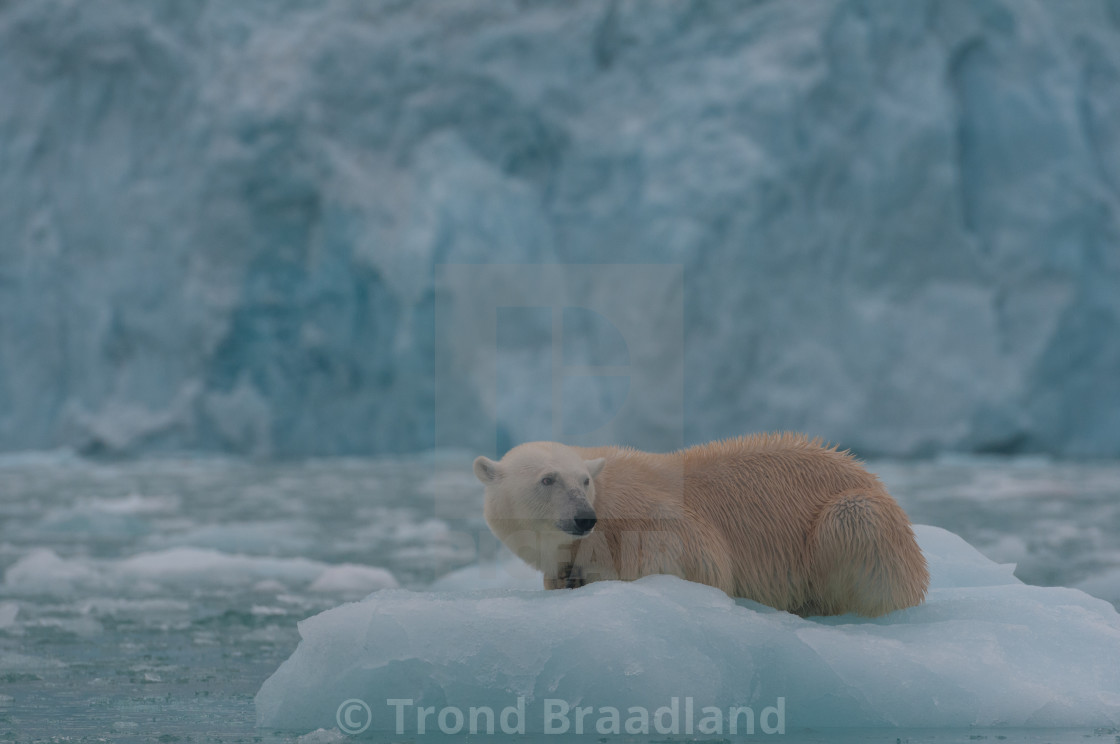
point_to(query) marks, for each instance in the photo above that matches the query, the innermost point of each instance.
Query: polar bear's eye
(586, 481)
(547, 480)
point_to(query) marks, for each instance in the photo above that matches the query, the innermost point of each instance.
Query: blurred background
(897, 225)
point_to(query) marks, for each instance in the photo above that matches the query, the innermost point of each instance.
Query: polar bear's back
(789, 474)
(747, 512)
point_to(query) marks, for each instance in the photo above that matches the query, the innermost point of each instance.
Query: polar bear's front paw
(571, 577)
(567, 577)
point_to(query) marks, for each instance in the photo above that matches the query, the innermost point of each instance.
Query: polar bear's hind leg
(863, 557)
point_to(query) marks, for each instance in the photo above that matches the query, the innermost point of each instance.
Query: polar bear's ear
(486, 470)
(595, 466)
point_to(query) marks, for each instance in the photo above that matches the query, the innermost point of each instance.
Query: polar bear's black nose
(585, 523)
(579, 524)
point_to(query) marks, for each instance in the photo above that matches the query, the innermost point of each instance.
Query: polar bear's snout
(582, 519)
(586, 523)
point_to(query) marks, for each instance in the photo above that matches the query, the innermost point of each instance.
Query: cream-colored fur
(778, 519)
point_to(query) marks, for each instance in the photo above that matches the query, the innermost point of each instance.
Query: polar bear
(776, 518)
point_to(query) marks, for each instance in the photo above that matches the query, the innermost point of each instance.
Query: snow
(984, 650)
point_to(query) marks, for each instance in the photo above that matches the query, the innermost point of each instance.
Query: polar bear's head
(542, 487)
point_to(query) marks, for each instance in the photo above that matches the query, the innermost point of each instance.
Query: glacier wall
(898, 224)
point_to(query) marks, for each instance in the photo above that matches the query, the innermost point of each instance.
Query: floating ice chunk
(136, 503)
(349, 578)
(204, 566)
(269, 586)
(322, 736)
(954, 563)
(11, 661)
(429, 529)
(41, 571)
(270, 634)
(984, 650)
(146, 609)
(1007, 549)
(510, 573)
(107, 518)
(58, 458)
(8, 613)
(86, 627)
(259, 538)
(1105, 585)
